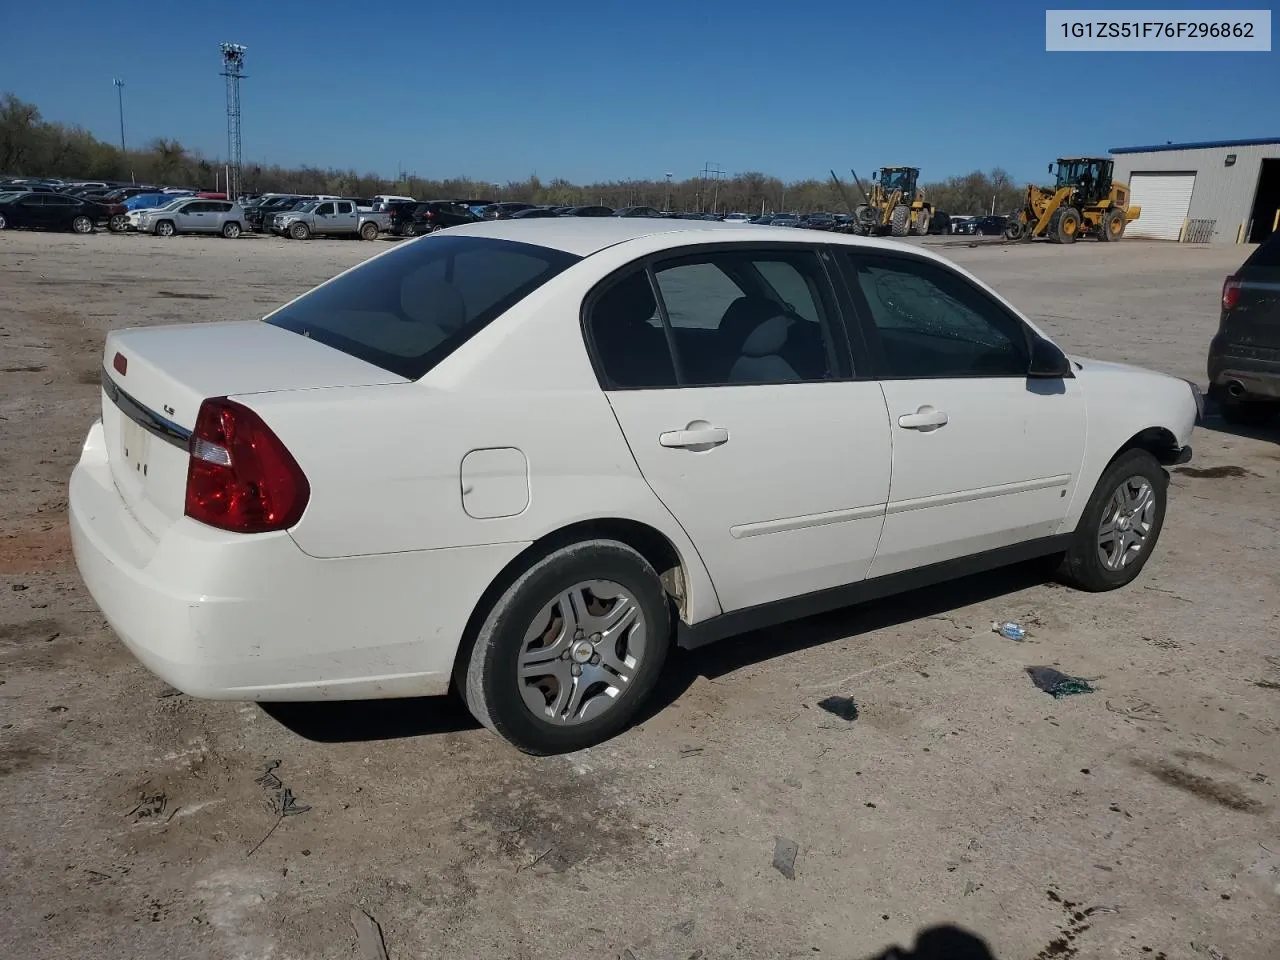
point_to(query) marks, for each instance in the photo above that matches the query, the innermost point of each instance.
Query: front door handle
(926, 419)
(695, 435)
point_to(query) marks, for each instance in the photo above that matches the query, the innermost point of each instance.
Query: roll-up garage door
(1164, 199)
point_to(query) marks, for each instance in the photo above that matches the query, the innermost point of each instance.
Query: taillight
(1230, 293)
(240, 476)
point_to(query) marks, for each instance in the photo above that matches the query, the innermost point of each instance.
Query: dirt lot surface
(1139, 821)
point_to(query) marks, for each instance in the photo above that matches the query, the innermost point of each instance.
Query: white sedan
(521, 459)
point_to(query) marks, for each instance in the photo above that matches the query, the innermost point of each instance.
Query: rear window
(1268, 254)
(407, 310)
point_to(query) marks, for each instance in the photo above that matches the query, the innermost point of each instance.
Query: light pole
(667, 208)
(119, 85)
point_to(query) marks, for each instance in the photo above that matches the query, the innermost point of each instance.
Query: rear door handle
(695, 435)
(926, 418)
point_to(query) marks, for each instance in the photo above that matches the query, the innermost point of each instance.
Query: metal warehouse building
(1223, 191)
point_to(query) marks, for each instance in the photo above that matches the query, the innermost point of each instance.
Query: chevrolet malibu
(524, 458)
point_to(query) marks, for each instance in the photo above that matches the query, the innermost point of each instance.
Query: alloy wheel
(581, 652)
(1126, 523)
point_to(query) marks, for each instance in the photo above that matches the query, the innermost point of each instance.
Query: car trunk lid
(154, 380)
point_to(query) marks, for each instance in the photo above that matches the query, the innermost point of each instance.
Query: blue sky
(599, 90)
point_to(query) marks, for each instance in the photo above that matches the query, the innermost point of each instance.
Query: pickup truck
(329, 218)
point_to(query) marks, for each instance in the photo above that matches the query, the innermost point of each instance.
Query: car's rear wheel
(570, 650)
(408, 230)
(82, 224)
(369, 231)
(1120, 525)
(231, 230)
(3, 222)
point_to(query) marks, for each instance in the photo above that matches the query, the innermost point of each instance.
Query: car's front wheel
(1120, 525)
(570, 650)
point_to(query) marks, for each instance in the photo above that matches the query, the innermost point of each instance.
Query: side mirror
(1047, 361)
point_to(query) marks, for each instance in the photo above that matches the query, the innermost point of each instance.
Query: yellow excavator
(896, 205)
(1083, 202)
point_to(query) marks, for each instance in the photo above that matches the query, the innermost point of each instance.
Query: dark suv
(411, 219)
(1244, 356)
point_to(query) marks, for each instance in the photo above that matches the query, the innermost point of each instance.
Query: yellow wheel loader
(896, 205)
(1084, 202)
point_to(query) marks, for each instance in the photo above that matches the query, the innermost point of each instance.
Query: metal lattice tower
(233, 70)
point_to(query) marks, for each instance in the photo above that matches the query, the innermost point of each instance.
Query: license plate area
(135, 448)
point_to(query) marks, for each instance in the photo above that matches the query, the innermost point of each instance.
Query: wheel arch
(1160, 442)
(651, 543)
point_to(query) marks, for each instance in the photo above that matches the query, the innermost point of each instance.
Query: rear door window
(407, 310)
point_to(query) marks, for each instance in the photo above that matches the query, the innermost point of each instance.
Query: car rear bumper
(1255, 369)
(251, 617)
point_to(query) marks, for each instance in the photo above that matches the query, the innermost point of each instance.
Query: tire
(300, 231)
(165, 228)
(1064, 225)
(231, 230)
(1133, 479)
(369, 231)
(519, 710)
(4, 224)
(1112, 226)
(922, 222)
(119, 223)
(900, 224)
(408, 230)
(1014, 227)
(82, 224)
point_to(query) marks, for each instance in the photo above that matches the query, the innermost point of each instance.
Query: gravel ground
(1135, 822)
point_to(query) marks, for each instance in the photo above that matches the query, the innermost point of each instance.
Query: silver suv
(194, 216)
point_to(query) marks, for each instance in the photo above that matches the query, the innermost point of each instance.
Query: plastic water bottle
(1010, 631)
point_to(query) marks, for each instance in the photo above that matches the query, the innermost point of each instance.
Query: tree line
(33, 146)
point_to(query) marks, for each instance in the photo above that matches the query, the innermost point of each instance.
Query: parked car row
(48, 210)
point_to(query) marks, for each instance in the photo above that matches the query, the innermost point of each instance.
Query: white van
(381, 200)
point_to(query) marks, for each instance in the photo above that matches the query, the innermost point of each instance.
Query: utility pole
(119, 85)
(233, 70)
(712, 169)
(667, 207)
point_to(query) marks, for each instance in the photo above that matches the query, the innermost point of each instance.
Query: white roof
(584, 236)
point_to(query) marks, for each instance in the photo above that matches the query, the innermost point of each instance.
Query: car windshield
(408, 309)
(308, 207)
